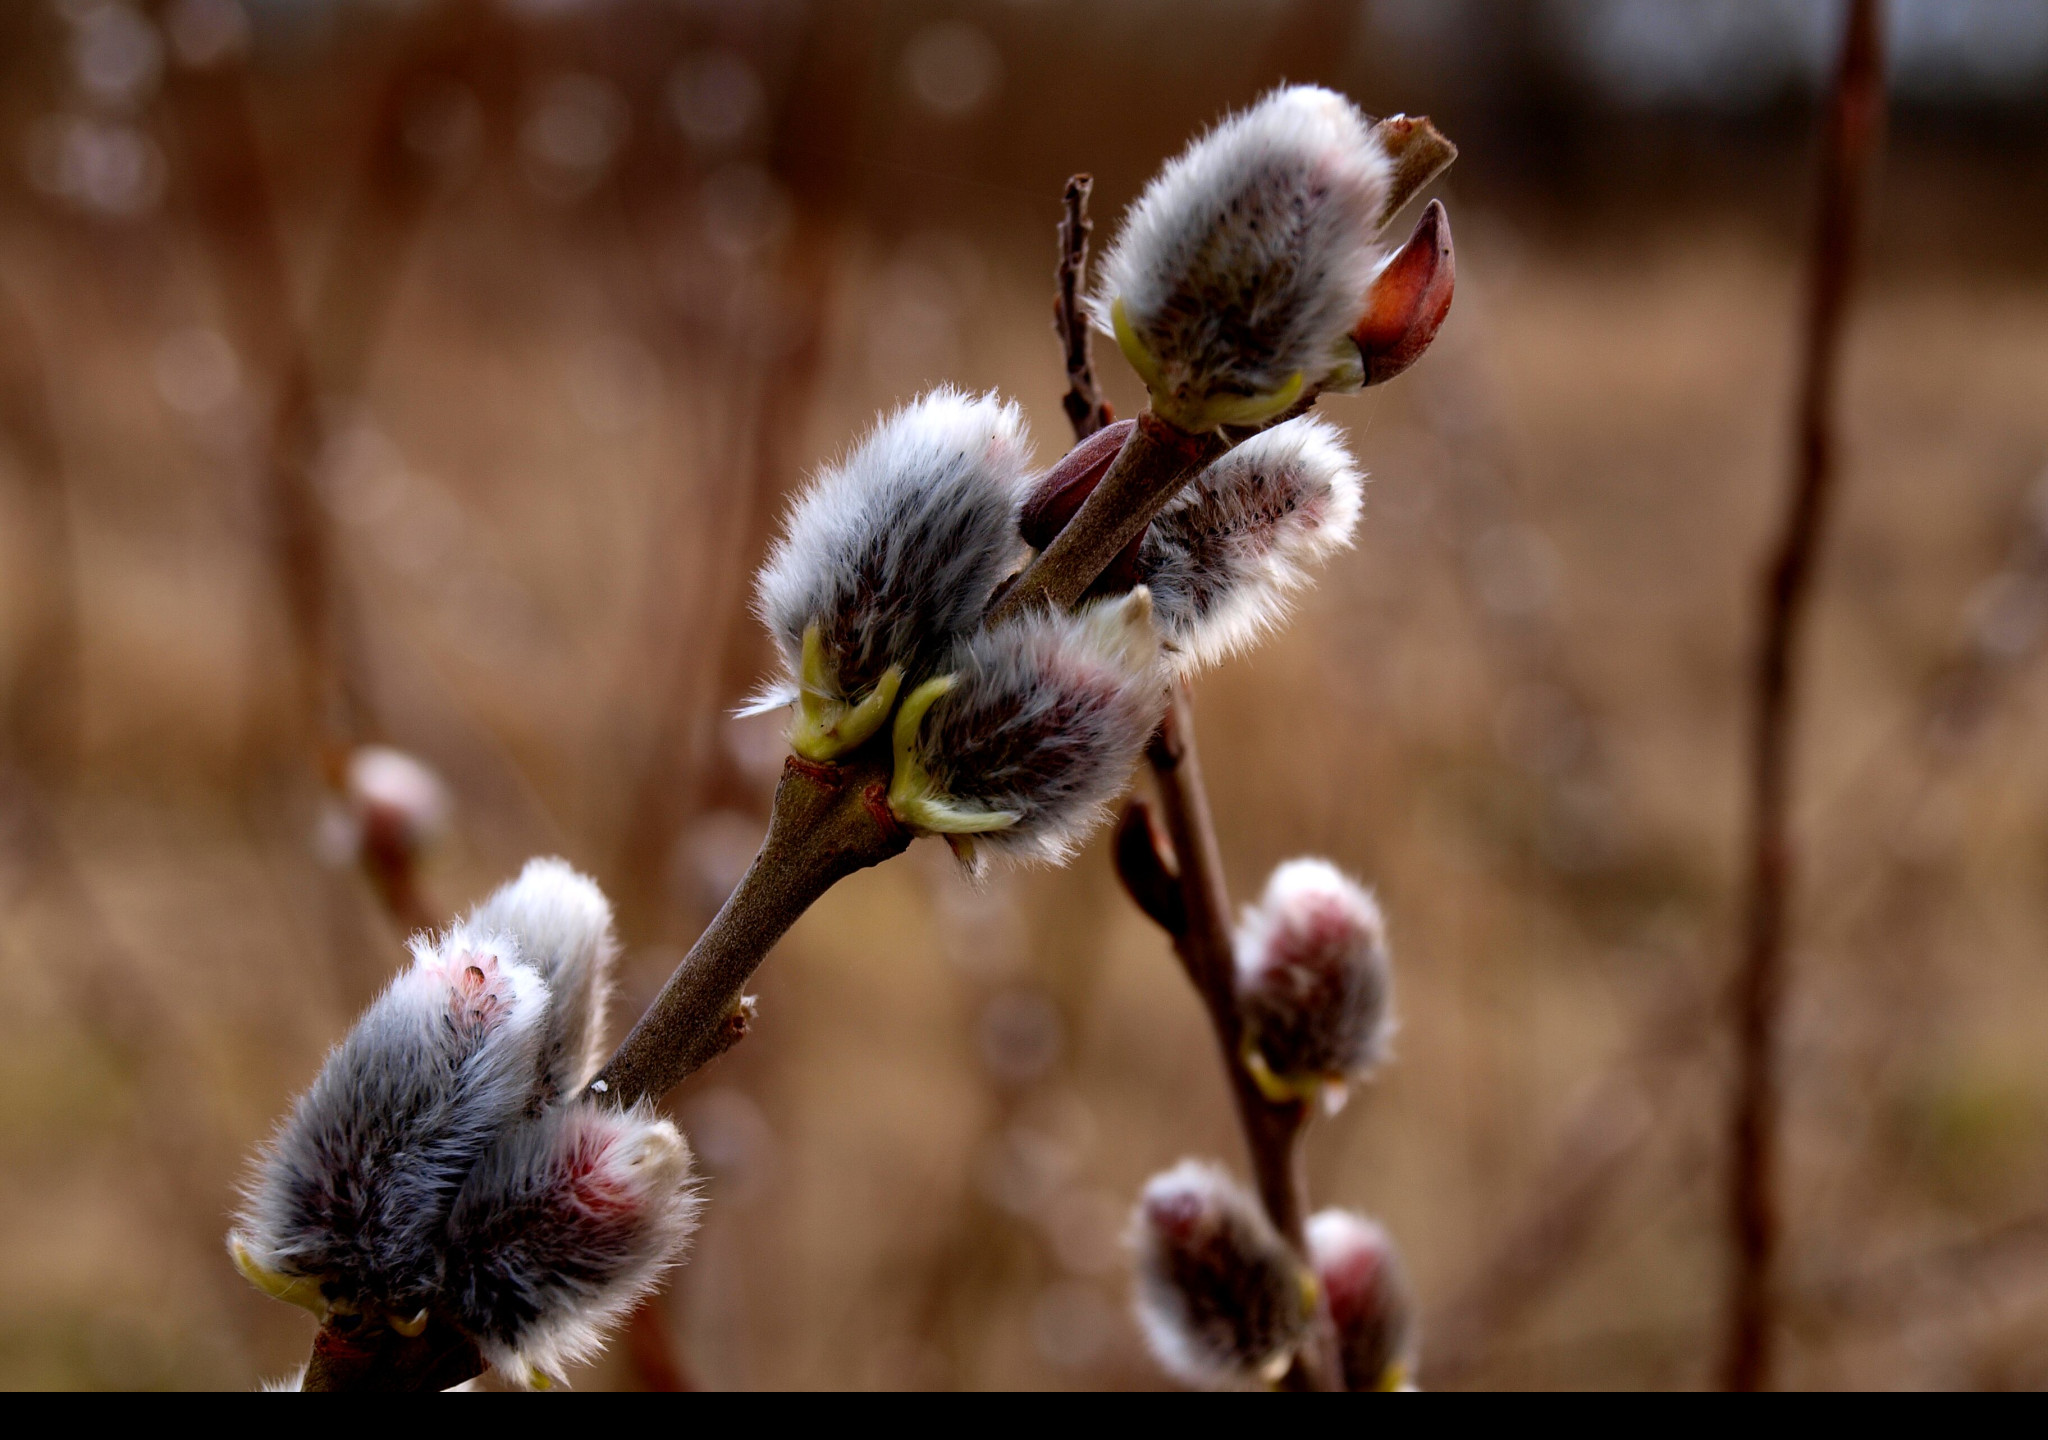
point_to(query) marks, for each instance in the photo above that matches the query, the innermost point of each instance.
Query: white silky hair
(562, 925)
(1219, 1314)
(1313, 975)
(1048, 716)
(354, 1187)
(1227, 555)
(896, 549)
(1247, 258)
(566, 1223)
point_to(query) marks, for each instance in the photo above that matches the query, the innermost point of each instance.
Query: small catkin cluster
(1009, 740)
(1370, 1303)
(444, 1163)
(1314, 982)
(1239, 274)
(1224, 1303)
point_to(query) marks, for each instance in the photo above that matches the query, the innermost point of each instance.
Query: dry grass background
(1515, 709)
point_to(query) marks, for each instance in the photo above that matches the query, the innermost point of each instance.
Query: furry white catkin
(434, 1165)
(1226, 556)
(1032, 729)
(1222, 1300)
(1314, 982)
(1236, 278)
(887, 557)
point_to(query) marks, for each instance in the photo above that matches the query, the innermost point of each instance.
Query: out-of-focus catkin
(1370, 1303)
(1314, 981)
(1222, 1300)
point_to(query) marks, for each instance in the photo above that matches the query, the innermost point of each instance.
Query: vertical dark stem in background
(231, 200)
(1854, 126)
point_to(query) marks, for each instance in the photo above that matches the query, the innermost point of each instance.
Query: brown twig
(828, 822)
(1155, 462)
(1187, 896)
(1855, 117)
(1086, 410)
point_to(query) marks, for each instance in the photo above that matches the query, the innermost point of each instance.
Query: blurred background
(433, 372)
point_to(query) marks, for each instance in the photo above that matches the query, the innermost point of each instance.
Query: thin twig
(828, 822)
(1189, 898)
(1855, 115)
(1155, 462)
(1086, 410)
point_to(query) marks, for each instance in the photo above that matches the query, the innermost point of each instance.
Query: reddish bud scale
(1059, 494)
(1408, 300)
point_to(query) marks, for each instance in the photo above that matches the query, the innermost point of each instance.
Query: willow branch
(1150, 470)
(828, 821)
(1187, 897)
(1854, 127)
(1202, 940)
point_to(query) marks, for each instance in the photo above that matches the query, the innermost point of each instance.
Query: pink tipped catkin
(1314, 982)
(355, 1187)
(561, 1227)
(1370, 1304)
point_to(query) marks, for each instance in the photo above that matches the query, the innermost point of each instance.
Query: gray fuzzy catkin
(1049, 714)
(1220, 1297)
(562, 925)
(1314, 981)
(896, 549)
(562, 1226)
(432, 1163)
(1246, 260)
(358, 1181)
(1226, 555)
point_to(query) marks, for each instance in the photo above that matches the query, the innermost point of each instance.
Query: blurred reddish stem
(677, 775)
(231, 200)
(1855, 117)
